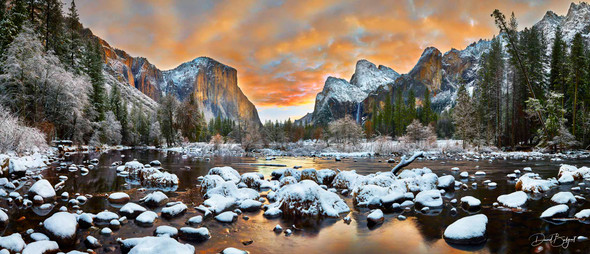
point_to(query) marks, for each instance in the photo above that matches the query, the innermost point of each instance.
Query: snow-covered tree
(417, 133)
(345, 130)
(109, 132)
(217, 141)
(16, 137)
(155, 134)
(555, 134)
(35, 86)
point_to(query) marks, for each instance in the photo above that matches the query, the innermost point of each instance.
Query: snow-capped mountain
(340, 97)
(576, 20)
(439, 73)
(215, 85)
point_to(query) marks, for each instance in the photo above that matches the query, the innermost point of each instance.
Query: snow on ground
(20, 164)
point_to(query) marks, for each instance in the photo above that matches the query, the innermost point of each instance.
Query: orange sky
(284, 50)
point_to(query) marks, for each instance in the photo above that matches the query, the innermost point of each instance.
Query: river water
(508, 231)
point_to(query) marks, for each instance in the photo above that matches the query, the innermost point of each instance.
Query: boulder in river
(470, 230)
(62, 227)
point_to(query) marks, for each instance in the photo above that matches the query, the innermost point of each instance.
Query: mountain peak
(576, 8)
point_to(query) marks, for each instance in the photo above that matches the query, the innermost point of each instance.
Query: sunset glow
(284, 50)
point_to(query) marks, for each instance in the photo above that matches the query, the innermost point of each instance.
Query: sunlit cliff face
(284, 50)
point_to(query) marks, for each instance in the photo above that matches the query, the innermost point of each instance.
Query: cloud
(284, 50)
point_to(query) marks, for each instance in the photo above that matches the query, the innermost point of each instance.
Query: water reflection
(508, 231)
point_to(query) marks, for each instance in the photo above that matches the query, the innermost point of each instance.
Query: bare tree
(345, 131)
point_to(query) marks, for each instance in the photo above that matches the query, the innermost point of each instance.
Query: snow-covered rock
(91, 242)
(513, 200)
(105, 217)
(14, 242)
(375, 218)
(166, 231)
(194, 234)
(307, 198)
(566, 178)
(250, 205)
(583, 215)
(530, 182)
(429, 198)
(85, 220)
(346, 180)
(155, 199)
(195, 220)
(42, 188)
(226, 217)
(226, 173)
(229, 189)
(446, 182)
(62, 227)
(555, 211)
(174, 211)
(119, 198)
(368, 195)
(38, 237)
(3, 217)
(155, 245)
(467, 230)
(273, 212)
(470, 203)
(41, 247)
(570, 171)
(132, 210)
(146, 218)
(563, 197)
(232, 250)
(218, 203)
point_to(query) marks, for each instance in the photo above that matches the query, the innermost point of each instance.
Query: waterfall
(358, 112)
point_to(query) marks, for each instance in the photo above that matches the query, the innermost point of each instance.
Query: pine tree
(189, 119)
(577, 75)
(489, 91)
(411, 112)
(74, 40)
(93, 67)
(558, 73)
(398, 113)
(388, 116)
(11, 23)
(53, 28)
(428, 115)
(463, 117)
(2, 9)
(167, 117)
